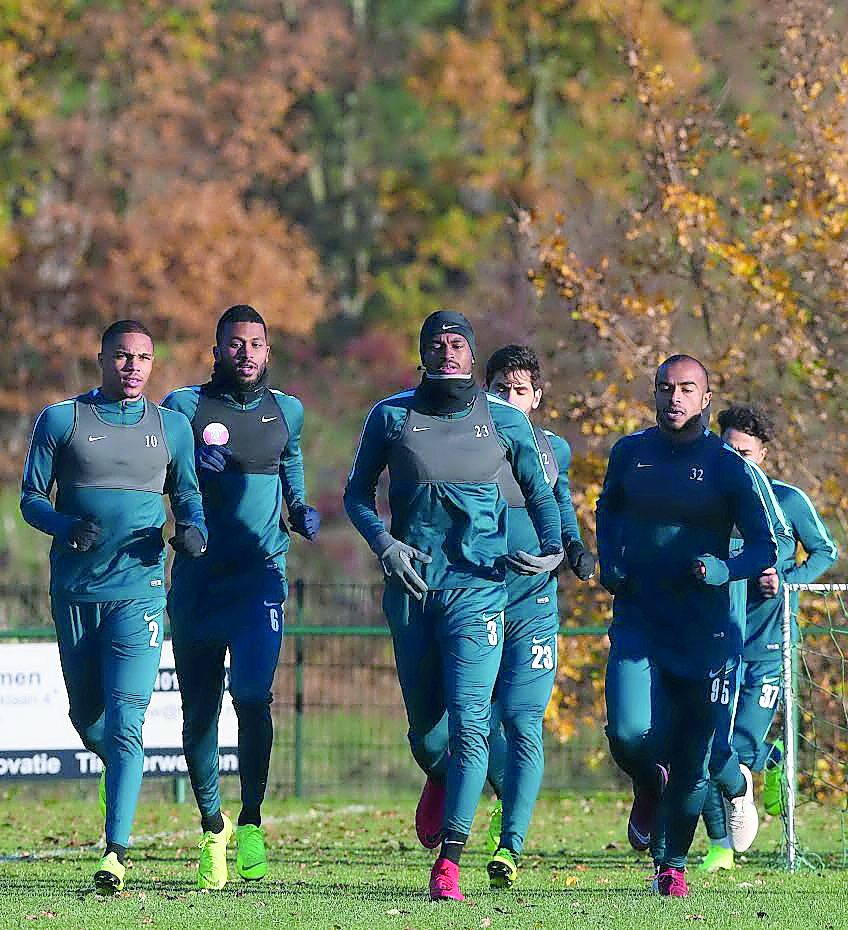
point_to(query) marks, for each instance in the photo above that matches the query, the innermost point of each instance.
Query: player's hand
(769, 583)
(189, 540)
(83, 534)
(582, 561)
(212, 458)
(711, 570)
(305, 520)
(526, 564)
(396, 560)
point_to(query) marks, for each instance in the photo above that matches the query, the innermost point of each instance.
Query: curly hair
(747, 418)
(514, 358)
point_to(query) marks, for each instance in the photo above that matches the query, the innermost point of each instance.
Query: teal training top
(243, 503)
(760, 618)
(462, 525)
(664, 504)
(536, 595)
(127, 561)
(809, 530)
(801, 523)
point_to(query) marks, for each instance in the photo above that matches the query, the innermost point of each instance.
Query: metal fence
(339, 721)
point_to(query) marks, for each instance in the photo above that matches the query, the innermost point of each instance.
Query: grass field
(336, 866)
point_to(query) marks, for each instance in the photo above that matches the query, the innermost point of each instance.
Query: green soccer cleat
(774, 784)
(251, 860)
(717, 857)
(101, 791)
(502, 869)
(109, 877)
(493, 837)
(212, 871)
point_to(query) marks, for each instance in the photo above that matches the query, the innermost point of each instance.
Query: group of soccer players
(692, 540)
(227, 453)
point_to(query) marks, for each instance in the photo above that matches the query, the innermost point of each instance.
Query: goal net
(815, 678)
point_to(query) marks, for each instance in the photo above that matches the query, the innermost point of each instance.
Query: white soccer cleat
(742, 818)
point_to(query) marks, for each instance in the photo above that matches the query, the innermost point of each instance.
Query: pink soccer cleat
(671, 883)
(430, 813)
(444, 881)
(643, 813)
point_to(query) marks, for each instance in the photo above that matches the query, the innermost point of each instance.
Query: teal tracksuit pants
(448, 650)
(523, 689)
(110, 657)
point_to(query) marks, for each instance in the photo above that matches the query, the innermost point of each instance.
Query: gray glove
(526, 564)
(396, 560)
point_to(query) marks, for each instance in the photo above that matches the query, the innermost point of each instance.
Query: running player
(748, 429)
(531, 624)
(247, 440)
(671, 497)
(110, 454)
(444, 445)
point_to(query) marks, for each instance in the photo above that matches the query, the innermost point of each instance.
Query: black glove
(212, 458)
(612, 578)
(188, 539)
(526, 564)
(83, 534)
(396, 559)
(305, 520)
(582, 561)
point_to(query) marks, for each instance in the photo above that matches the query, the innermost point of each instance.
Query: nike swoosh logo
(644, 465)
(268, 419)
(493, 617)
(95, 438)
(446, 326)
(538, 641)
(770, 681)
(716, 673)
(148, 617)
(420, 429)
(271, 603)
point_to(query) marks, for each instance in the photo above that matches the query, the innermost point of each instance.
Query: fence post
(298, 692)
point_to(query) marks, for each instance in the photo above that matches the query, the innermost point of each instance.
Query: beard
(695, 421)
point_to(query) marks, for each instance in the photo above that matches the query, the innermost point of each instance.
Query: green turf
(336, 866)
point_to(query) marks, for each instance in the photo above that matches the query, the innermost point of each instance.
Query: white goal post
(790, 711)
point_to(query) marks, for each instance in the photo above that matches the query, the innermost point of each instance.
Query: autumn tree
(168, 126)
(730, 245)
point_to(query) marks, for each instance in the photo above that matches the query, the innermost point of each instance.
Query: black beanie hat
(446, 321)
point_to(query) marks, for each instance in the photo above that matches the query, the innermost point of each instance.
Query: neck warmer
(438, 395)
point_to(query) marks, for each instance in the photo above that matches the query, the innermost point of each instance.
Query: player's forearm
(569, 526)
(809, 571)
(360, 506)
(756, 556)
(38, 511)
(293, 478)
(610, 537)
(544, 513)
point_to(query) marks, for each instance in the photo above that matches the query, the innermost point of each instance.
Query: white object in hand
(215, 434)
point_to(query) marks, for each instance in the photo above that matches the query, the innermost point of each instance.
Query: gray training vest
(462, 450)
(506, 480)
(115, 455)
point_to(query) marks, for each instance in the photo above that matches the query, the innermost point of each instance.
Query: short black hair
(238, 313)
(684, 358)
(119, 327)
(747, 418)
(514, 358)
